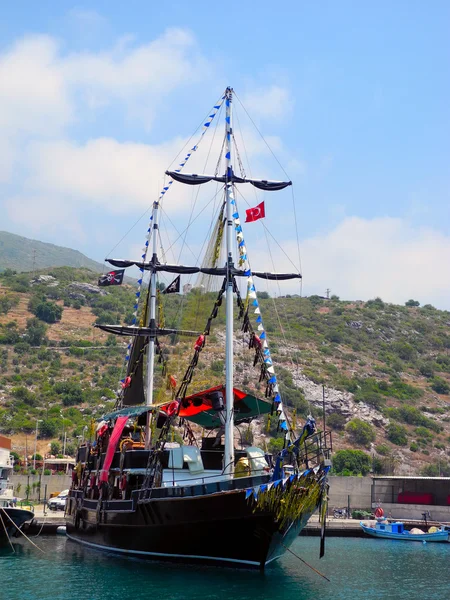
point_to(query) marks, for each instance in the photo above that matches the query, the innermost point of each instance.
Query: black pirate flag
(174, 287)
(112, 278)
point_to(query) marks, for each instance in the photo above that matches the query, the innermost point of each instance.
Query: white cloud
(365, 258)
(43, 91)
(33, 93)
(43, 215)
(122, 177)
(274, 102)
(140, 76)
(119, 176)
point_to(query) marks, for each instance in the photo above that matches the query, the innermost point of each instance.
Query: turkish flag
(253, 214)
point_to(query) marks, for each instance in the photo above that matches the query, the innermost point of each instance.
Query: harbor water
(357, 568)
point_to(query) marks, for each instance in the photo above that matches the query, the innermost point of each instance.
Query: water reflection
(357, 568)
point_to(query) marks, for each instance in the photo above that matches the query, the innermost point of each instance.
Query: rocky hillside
(385, 369)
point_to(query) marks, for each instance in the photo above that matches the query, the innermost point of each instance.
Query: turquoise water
(358, 568)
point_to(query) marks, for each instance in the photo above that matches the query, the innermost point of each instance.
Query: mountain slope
(385, 368)
(23, 254)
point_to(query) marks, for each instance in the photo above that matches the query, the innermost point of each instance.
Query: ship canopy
(198, 409)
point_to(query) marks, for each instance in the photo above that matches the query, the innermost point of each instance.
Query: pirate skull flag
(112, 278)
(253, 214)
(174, 287)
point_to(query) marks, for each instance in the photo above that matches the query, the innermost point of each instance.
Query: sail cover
(198, 407)
(194, 179)
(186, 270)
(134, 393)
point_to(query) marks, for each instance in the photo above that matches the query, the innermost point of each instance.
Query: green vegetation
(440, 386)
(397, 434)
(351, 462)
(336, 421)
(360, 432)
(393, 358)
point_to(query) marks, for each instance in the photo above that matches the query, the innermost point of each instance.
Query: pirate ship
(212, 499)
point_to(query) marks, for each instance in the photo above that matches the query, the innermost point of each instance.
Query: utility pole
(34, 263)
(35, 443)
(328, 293)
(323, 405)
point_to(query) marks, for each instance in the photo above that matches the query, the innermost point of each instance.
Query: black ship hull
(11, 520)
(220, 528)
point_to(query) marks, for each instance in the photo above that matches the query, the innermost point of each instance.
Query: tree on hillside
(48, 312)
(412, 303)
(440, 386)
(351, 462)
(397, 434)
(376, 303)
(360, 432)
(35, 332)
(263, 295)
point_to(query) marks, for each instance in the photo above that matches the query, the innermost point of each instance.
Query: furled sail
(131, 330)
(186, 270)
(133, 393)
(194, 179)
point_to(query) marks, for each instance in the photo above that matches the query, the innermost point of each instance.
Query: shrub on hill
(35, 332)
(71, 393)
(7, 302)
(360, 432)
(397, 434)
(336, 421)
(440, 469)
(45, 310)
(413, 416)
(351, 462)
(412, 303)
(49, 428)
(440, 386)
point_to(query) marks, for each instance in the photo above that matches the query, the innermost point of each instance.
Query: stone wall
(358, 488)
(54, 483)
(415, 512)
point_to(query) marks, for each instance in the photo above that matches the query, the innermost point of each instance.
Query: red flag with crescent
(253, 214)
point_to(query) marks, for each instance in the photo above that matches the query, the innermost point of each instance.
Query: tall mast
(152, 324)
(229, 422)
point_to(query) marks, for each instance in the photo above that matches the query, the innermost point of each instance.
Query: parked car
(59, 501)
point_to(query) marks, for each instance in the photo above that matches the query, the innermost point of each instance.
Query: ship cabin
(390, 527)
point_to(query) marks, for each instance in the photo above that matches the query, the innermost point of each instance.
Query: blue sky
(353, 97)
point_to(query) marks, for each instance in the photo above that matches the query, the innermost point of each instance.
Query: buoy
(61, 530)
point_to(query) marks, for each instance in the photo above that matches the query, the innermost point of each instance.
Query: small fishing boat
(396, 531)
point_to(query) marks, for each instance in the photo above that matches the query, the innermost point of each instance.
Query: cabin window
(382, 527)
